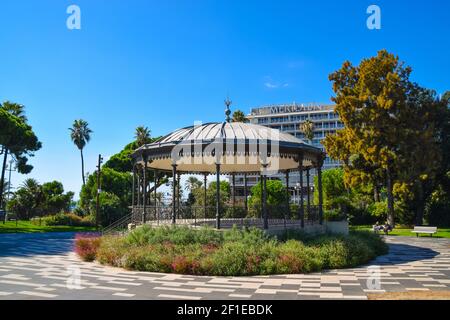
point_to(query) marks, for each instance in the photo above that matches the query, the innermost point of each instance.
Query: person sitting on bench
(377, 227)
(387, 228)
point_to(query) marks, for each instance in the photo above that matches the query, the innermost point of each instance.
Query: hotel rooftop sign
(289, 108)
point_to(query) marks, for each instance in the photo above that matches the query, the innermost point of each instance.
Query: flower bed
(232, 252)
(86, 246)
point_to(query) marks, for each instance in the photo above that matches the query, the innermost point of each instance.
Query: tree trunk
(2, 180)
(82, 167)
(376, 193)
(390, 198)
(420, 205)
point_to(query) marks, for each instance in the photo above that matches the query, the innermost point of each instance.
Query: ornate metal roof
(226, 130)
(239, 147)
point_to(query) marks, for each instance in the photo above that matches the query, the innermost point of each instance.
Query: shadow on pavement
(56, 243)
(51, 243)
(403, 253)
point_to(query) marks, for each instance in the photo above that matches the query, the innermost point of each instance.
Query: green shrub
(112, 250)
(89, 220)
(173, 234)
(333, 215)
(235, 252)
(250, 237)
(235, 212)
(65, 219)
(146, 259)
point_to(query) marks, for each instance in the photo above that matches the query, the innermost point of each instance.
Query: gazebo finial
(228, 103)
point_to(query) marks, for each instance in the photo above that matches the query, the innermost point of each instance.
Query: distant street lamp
(9, 178)
(297, 193)
(99, 190)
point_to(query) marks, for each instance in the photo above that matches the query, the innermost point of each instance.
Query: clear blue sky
(165, 64)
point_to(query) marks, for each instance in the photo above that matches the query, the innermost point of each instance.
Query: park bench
(426, 230)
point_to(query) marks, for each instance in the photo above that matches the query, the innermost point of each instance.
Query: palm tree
(192, 183)
(307, 128)
(30, 197)
(30, 185)
(15, 109)
(80, 135)
(239, 116)
(142, 135)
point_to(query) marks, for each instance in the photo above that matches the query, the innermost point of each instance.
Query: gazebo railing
(197, 216)
(229, 216)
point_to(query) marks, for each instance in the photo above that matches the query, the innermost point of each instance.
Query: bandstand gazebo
(230, 148)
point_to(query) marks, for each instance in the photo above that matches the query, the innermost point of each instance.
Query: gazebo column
(288, 207)
(245, 194)
(218, 195)
(205, 188)
(234, 190)
(319, 183)
(261, 187)
(156, 187)
(302, 205)
(178, 194)
(264, 198)
(144, 189)
(174, 191)
(138, 185)
(133, 189)
(308, 192)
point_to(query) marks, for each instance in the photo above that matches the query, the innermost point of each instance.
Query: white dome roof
(233, 130)
(238, 147)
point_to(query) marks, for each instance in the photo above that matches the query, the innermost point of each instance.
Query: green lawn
(442, 232)
(28, 227)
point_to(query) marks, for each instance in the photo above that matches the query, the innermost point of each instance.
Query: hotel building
(288, 118)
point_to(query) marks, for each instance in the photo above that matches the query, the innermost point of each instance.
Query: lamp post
(99, 189)
(9, 178)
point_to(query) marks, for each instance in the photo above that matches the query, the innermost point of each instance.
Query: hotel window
(288, 127)
(279, 119)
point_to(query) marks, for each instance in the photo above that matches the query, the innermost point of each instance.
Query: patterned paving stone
(43, 266)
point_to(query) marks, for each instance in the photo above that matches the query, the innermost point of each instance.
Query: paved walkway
(43, 266)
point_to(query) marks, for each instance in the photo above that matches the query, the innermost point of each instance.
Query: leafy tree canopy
(392, 128)
(239, 116)
(18, 138)
(276, 194)
(112, 181)
(33, 199)
(122, 161)
(225, 191)
(333, 187)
